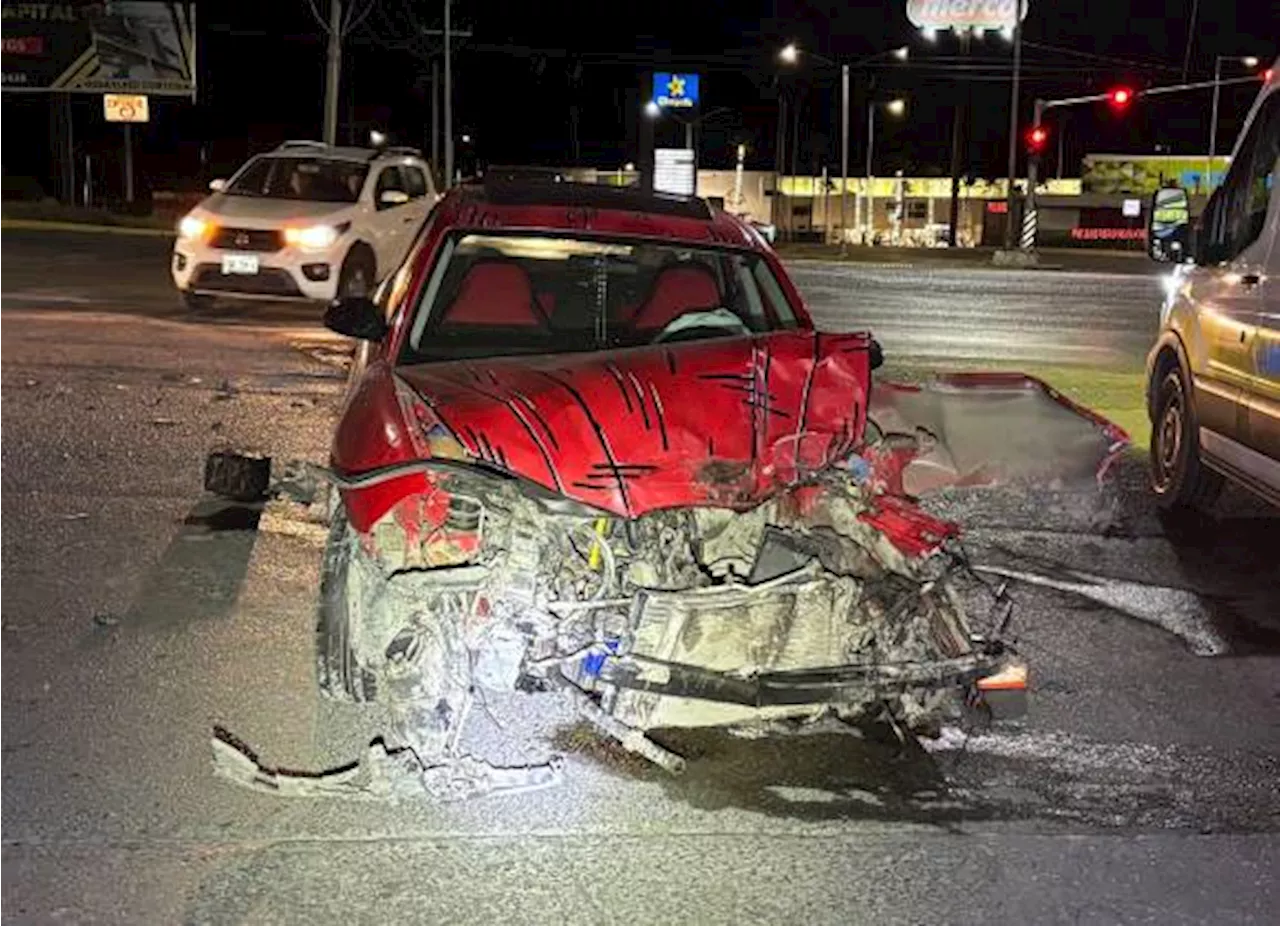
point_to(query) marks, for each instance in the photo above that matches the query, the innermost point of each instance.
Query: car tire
(1178, 477)
(338, 672)
(196, 302)
(357, 276)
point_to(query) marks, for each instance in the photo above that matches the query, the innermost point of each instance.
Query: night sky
(528, 65)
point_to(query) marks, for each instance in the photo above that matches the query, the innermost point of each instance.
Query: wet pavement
(933, 315)
(138, 614)
(924, 313)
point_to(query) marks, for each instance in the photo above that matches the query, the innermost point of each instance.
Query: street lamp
(652, 110)
(1248, 61)
(895, 107)
(790, 54)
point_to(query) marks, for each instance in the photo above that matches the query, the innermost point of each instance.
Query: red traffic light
(1036, 139)
(1120, 96)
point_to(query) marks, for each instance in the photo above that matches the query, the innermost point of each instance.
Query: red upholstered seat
(676, 290)
(495, 292)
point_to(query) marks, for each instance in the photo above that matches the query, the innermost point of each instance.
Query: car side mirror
(877, 355)
(217, 185)
(356, 317)
(1169, 226)
(389, 198)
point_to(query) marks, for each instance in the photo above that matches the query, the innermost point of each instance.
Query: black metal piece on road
(237, 476)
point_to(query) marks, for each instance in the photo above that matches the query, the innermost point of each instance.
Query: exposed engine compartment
(823, 599)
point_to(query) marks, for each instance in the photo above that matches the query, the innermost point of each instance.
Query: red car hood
(720, 422)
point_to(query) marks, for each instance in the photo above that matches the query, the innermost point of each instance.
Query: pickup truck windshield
(326, 180)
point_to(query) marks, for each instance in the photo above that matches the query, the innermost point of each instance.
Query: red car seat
(495, 292)
(676, 290)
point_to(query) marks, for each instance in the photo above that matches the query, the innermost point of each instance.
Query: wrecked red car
(594, 445)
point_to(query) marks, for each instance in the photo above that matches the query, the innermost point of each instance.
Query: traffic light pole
(1029, 218)
(1028, 240)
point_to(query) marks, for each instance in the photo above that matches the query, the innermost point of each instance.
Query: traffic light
(1120, 97)
(1037, 138)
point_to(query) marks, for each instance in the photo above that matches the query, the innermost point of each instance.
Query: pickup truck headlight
(314, 237)
(193, 228)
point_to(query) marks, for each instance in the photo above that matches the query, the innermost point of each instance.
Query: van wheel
(1178, 477)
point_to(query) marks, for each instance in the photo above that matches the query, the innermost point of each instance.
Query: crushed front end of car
(822, 600)
(686, 591)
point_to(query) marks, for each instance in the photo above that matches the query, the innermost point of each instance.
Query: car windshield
(492, 295)
(324, 180)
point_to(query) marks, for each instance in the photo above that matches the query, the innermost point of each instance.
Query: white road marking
(1180, 612)
(45, 296)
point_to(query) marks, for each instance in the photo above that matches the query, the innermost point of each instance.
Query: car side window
(389, 180)
(1239, 212)
(415, 182)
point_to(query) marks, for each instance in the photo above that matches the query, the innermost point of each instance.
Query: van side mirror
(356, 317)
(217, 185)
(389, 198)
(1169, 226)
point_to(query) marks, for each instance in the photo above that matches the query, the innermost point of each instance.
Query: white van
(1213, 376)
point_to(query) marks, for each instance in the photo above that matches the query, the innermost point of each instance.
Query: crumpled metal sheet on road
(985, 429)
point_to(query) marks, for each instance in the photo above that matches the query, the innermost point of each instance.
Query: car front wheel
(1178, 477)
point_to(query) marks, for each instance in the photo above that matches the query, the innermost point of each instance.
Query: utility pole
(333, 73)
(1010, 197)
(448, 33)
(844, 160)
(869, 232)
(448, 96)
(435, 117)
(1191, 34)
(780, 168)
(958, 138)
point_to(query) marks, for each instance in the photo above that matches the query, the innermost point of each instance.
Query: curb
(42, 225)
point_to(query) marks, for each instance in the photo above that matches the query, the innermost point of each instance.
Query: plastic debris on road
(383, 774)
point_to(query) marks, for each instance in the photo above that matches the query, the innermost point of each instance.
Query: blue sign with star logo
(675, 91)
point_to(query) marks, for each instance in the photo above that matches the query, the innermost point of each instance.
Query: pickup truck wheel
(356, 277)
(194, 302)
(1178, 477)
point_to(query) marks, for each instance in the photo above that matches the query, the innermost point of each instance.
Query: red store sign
(23, 45)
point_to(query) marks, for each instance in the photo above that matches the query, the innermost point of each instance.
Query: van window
(1240, 210)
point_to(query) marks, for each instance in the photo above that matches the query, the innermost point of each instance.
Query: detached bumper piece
(833, 686)
(387, 775)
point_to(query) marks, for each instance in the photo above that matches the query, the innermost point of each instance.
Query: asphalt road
(137, 615)
(921, 313)
(934, 315)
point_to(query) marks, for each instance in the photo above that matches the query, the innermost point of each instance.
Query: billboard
(1142, 175)
(675, 91)
(966, 14)
(132, 46)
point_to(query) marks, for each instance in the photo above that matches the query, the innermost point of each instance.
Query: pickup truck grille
(247, 239)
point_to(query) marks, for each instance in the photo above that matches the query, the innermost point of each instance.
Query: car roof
(515, 203)
(341, 153)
